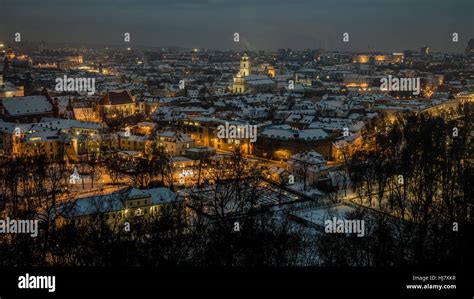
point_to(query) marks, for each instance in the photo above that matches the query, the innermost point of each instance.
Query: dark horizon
(376, 26)
(59, 45)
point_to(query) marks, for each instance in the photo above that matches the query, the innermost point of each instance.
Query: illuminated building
(244, 81)
(10, 54)
(431, 83)
(31, 140)
(357, 81)
(270, 70)
(86, 114)
(71, 126)
(397, 57)
(465, 96)
(8, 90)
(276, 140)
(128, 142)
(425, 51)
(70, 62)
(449, 106)
(51, 145)
(120, 206)
(204, 131)
(239, 84)
(175, 143)
(378, 59)
(47, 65)
(11, 135)
(75, 59)
(361, 59)
(145, 128)
(342, 149)
(307, 167)
(116, 104)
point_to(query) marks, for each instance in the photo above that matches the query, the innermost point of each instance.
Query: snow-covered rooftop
(27, 105)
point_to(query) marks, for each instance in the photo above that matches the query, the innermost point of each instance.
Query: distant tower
(101, 71)
(425, 51)
(245, 65)
(470, 48)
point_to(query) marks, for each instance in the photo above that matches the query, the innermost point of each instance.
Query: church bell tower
(245, 65)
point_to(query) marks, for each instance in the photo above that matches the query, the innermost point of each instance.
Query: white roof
(178, 137)
(114, 201)
(309, 157)
(60, 123)
(8, 127)
(309, 134)
(321, 214)
(300, 118)
(27, 105)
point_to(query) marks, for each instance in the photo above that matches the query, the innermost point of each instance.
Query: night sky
(378, 25)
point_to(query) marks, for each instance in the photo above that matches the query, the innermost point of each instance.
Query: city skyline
(329, 140)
